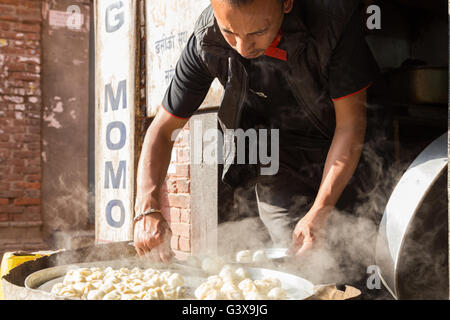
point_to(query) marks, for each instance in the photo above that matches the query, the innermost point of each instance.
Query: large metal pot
(412, 244)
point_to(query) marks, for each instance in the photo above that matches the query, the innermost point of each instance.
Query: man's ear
(288, 4)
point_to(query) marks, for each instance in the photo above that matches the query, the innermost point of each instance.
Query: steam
(349, 247)
(67, 210)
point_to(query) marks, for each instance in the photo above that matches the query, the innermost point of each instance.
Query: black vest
(310, 32)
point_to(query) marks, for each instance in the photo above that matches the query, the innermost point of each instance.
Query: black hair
(238, 3)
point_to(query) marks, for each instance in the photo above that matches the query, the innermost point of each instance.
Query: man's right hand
(152, 238)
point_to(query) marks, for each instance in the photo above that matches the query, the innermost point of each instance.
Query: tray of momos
(207, 278)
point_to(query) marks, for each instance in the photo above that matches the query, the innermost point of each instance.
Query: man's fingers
(139, 251)
(307, 245)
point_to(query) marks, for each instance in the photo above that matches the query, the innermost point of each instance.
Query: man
(301, 67)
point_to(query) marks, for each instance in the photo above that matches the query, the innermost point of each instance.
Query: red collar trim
(274, 52)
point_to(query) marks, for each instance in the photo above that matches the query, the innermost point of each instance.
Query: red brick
(4, 201)
(171, 186)
(18, 169)
(179, 201)
(25, 76)
(174, 243)
(4, 217)
(32, 213)
(185, 244)
(26, 201)
(182, 170)
(185, 216)
(181, 229)
(29, 15)
(183, 155)
(7, 9)
(183, 185)
(11, 194)
(26, 185)
(33, 178)
(171, 215)
(11, 209)
(32, 193)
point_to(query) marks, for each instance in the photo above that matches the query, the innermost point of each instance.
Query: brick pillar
(176, 199)
(20, 124)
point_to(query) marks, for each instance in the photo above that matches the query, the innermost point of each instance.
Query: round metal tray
(43, 280)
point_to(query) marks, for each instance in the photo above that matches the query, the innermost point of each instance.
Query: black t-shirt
(351, 68)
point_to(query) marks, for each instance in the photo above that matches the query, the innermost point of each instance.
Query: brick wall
(20, 124)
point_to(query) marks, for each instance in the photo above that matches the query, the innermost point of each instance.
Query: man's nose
(243, 46)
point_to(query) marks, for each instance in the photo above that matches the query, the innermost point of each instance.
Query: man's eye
(260, 33)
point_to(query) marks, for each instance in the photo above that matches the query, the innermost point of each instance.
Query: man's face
(251, 28)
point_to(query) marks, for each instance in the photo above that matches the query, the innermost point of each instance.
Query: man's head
(250, 26)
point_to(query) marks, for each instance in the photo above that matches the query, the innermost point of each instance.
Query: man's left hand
(309, 231)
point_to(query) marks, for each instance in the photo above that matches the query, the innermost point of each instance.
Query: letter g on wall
(118, 17)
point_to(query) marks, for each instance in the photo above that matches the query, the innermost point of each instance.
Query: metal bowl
(43, 280)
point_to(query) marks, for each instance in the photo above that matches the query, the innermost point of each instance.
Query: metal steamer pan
(412, 243)
(43, 280)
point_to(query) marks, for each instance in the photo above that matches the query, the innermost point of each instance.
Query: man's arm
(342, 160)
(184, 95)
(153, 231)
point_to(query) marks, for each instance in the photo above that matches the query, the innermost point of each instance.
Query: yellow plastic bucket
(11, 260)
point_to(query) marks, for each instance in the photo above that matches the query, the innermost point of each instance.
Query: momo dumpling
(247, 285)
(95, 295)
(231, 292)
(227, 271)
(113, 295)
(244, 256)
(259, 256)
(212, 265)
(175, 280)
(240, 274)
(277, 294)
(254, 295)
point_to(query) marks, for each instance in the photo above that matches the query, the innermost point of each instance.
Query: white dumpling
(57, 288)
(213, 294)
(212, 265)
(154, 294)
(215, 282)
(259, 256)
(231, 292)
(113, 295)
(69, 291)
(254, 295)
(247, 285)
(180, 290)
(107, 287)
(165, 275)
(274, 282)
(227, 271)
(202, 290)
(277, 293)
(95, 295)
(244, 256)
(175, 280)
(240, 274)
(81, 287)
(263, 286)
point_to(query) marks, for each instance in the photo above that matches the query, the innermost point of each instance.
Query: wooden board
(115, 30)
(169, 24)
